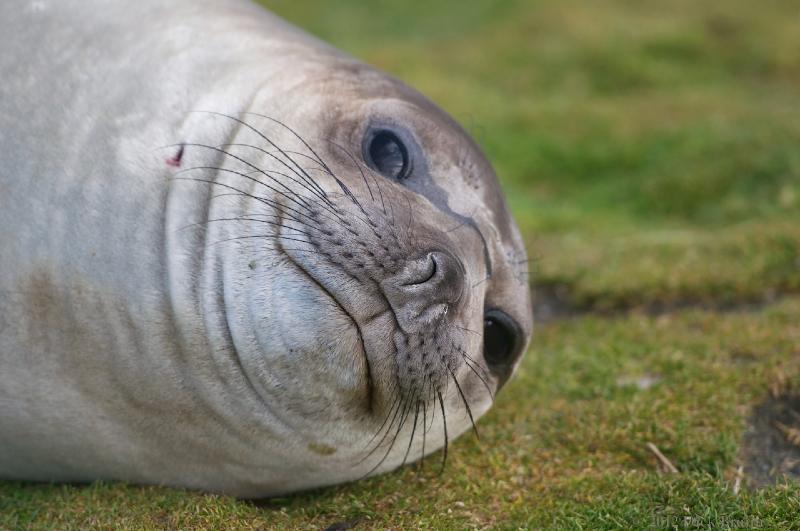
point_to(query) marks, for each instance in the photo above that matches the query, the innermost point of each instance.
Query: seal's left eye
(501, 339)
(388, 155)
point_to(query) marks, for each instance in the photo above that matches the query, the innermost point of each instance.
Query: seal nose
(424, 288)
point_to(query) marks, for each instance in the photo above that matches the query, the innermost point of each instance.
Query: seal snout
(421, 292)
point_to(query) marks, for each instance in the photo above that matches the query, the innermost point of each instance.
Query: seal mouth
(357, 326)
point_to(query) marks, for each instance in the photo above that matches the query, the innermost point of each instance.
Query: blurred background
(649, 149)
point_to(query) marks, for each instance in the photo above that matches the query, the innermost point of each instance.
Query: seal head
(369, 259)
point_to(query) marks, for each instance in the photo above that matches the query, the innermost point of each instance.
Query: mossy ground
(651, 153)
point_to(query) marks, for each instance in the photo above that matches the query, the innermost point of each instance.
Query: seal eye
(500, 339)
(388, 155)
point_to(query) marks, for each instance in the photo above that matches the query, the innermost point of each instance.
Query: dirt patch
(771, 449)
(555, 302)
(551, 303)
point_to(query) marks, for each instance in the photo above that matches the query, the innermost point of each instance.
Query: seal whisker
(272, 203)
(466, 403)
(410, 215)
(413, 431)
(292, 213)
(395, 403)
(300, 138)
(355, 163)
(295, 197)
(424, 432)
(377, 180)
(350, 195)
(344, 187)
(266, 173)
(302, 173)
(396, 407)
(467, 357)
(444, 425)
(393, 410)
(464, 221)
(398, 414)
(391, 209)
(247, 219)
(255, 219)
(229, 194)
(299, 182)
(487, 277)
(254, 214)
(288, 151)
(473, 366)
(262, 237)
(319, 159)
(464, 329)
(485, 384)
(400, 425)
(433, 403)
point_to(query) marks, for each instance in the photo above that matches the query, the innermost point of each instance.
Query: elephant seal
(233, 258)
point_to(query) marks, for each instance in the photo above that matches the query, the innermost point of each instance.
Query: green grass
(747, 262)
(651, 151)
(563, 447)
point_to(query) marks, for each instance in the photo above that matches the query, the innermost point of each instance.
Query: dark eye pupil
(498, 342)
(388, 155)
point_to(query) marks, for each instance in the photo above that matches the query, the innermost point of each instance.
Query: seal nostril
(423, 290)
(425, 275)
(434, 267)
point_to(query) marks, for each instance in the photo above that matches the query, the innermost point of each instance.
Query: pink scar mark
(175, 160)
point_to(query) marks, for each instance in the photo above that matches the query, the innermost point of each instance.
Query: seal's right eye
(388, 155)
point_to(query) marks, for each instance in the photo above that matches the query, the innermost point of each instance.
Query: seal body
(233, 258)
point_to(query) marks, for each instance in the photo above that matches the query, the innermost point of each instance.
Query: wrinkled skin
(194, 294)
